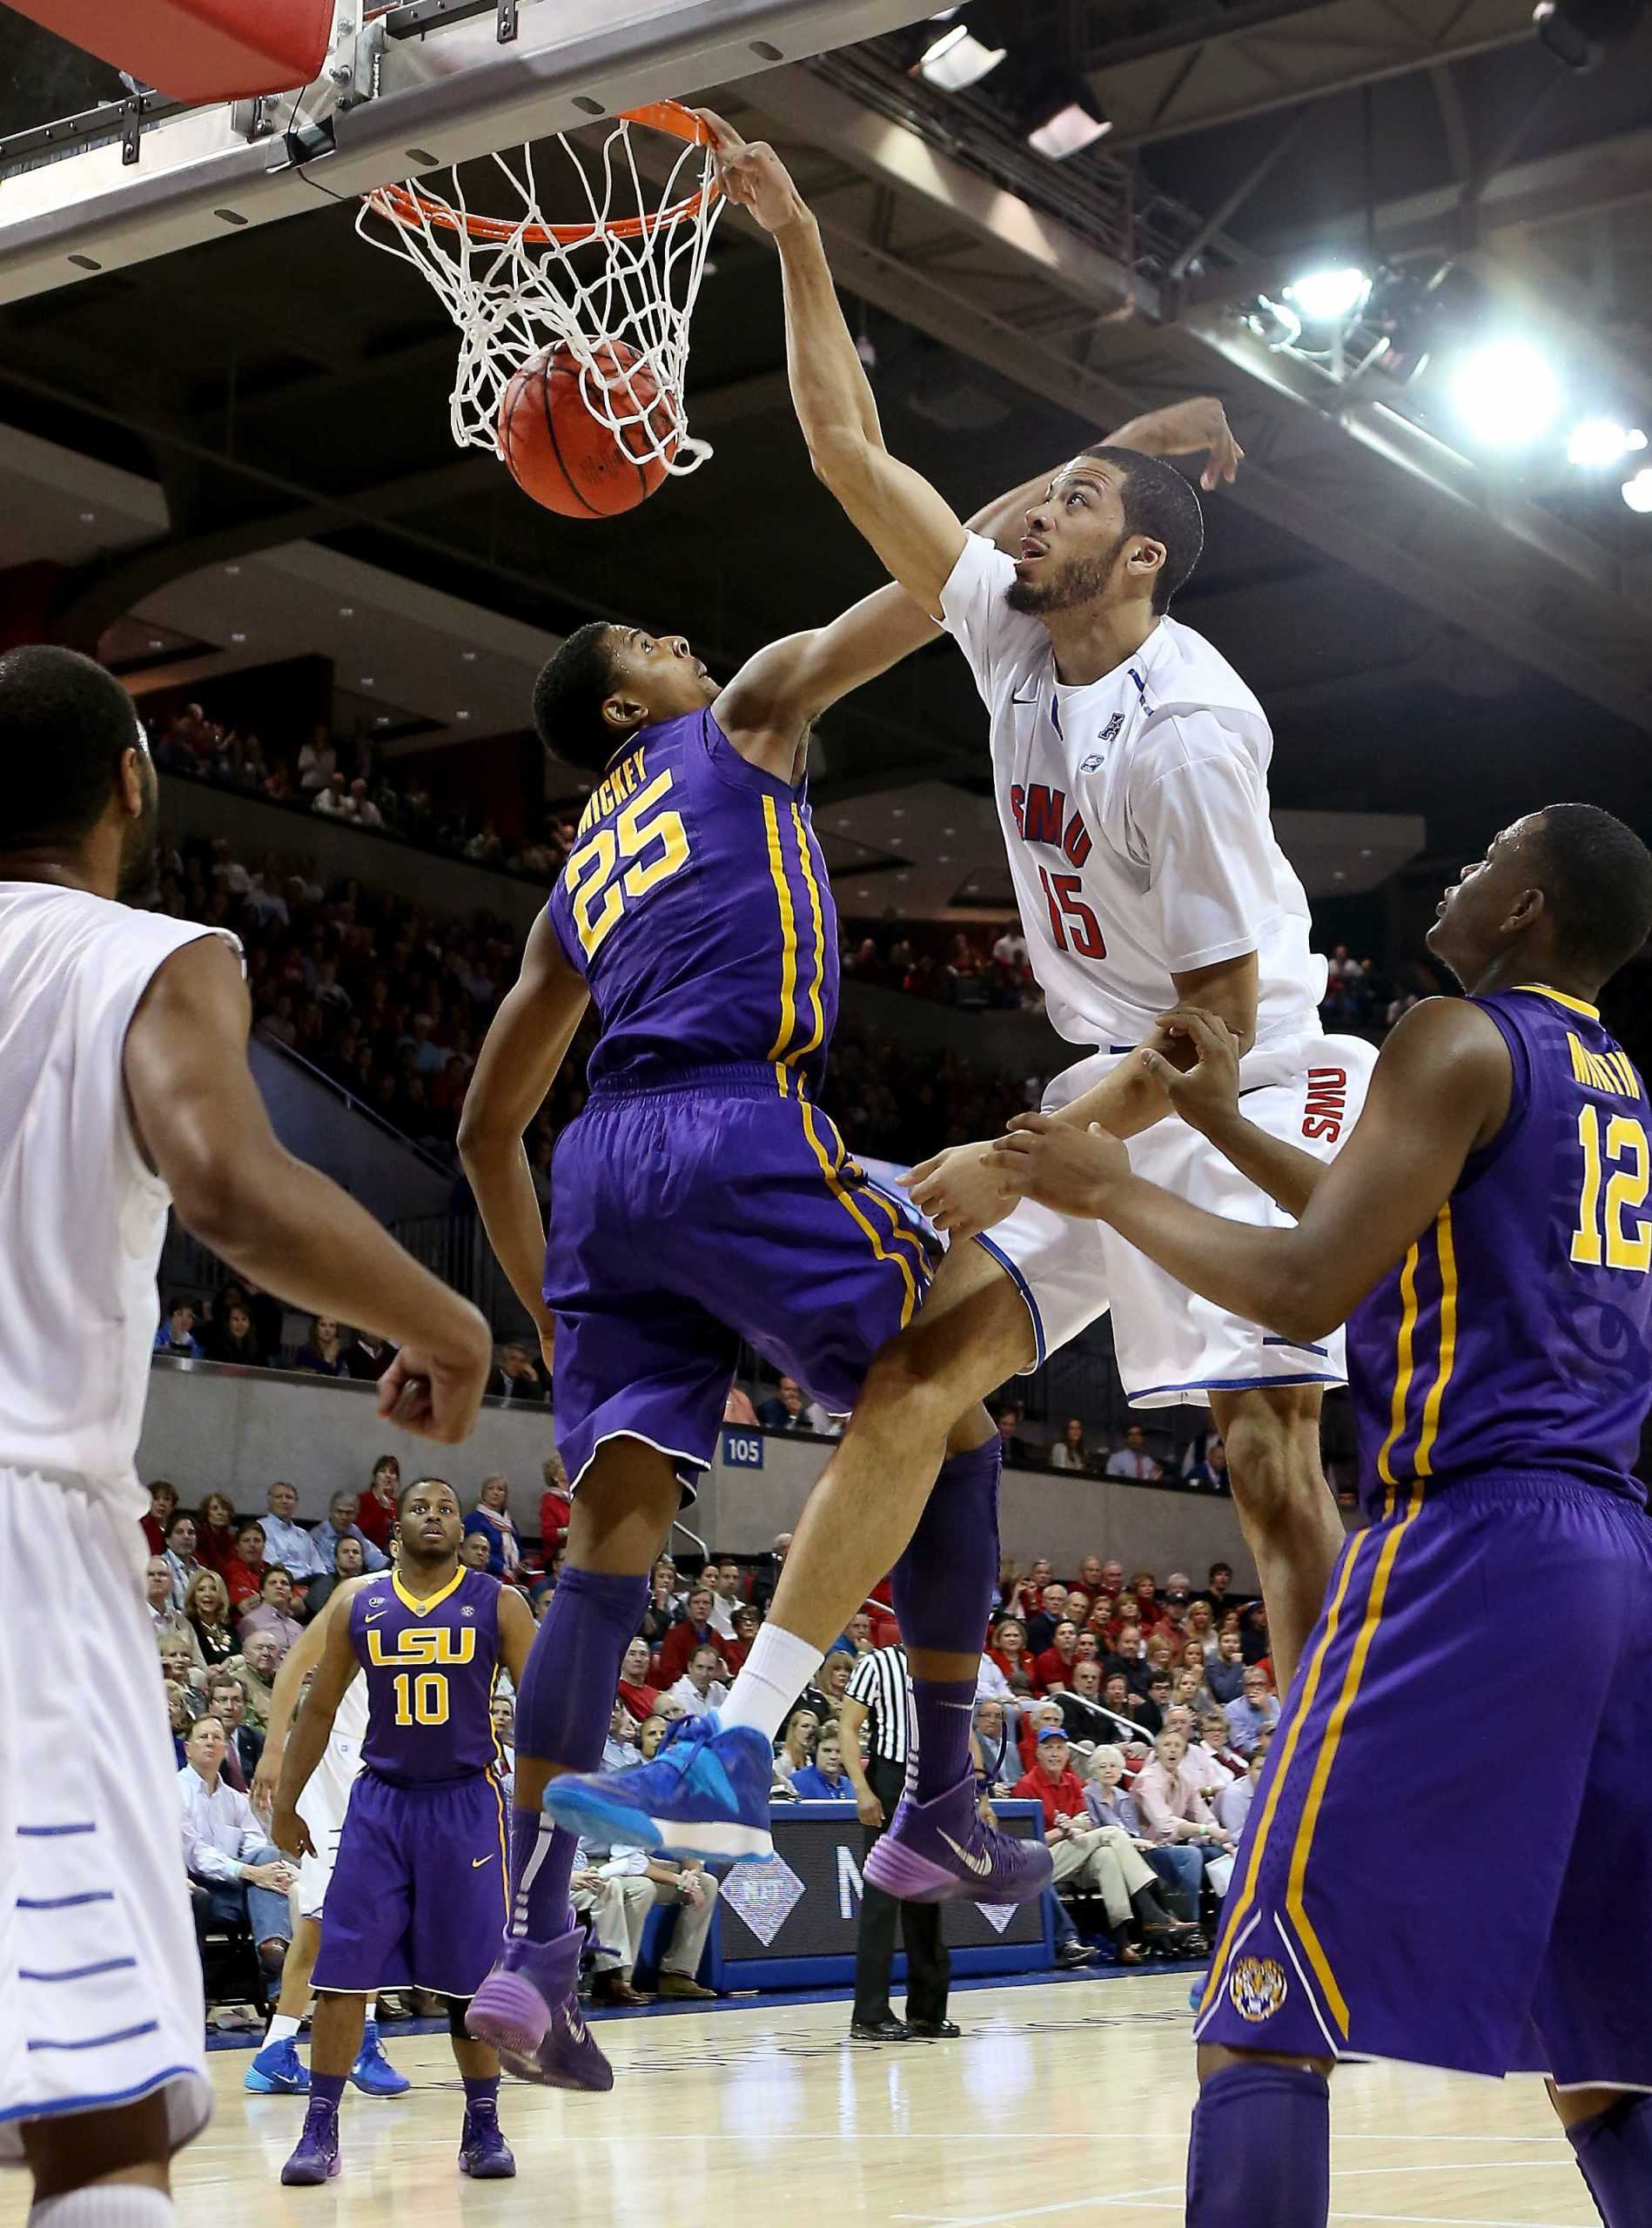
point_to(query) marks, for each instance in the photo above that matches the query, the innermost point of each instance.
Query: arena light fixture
(1506, 393)
(1331, 295)
(1600, 441)
(1067, 124)
(1637, 493)
(957, 59)
(1276, 324)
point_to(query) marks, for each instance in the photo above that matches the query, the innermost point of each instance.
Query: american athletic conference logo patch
(1257, 1989)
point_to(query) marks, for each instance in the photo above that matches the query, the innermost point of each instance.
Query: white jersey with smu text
(1135, 813)
(82, 1218)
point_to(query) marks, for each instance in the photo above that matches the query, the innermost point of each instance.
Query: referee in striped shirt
(877, 1697)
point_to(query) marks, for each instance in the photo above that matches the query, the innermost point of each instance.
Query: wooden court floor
(1069, 2099)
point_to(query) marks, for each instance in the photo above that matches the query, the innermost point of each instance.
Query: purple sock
(481, 2096)
(562, 1712)
(1261, 2149)
(1614, 2152)
(943, 1600)
(326, 2089)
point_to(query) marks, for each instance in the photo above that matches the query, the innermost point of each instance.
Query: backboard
(407, 89)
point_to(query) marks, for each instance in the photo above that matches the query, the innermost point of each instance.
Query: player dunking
(123, 1085)
(700, 1198)
(1129, 765)
(419, 1881)
(1485, 1231)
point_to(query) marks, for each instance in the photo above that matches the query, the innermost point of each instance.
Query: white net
(628, 273)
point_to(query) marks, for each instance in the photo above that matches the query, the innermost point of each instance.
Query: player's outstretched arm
(913, 530)
(296, 1667)
(202, 1125)
(525, 1044)
(776, 694)
(1440, 1088)
(335, 1666)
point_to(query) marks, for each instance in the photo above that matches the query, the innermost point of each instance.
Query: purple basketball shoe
(528, 2008)
(941, 1852)
(316, 2157)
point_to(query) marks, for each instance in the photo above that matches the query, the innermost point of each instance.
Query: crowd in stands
(1134, 1715)
(956, 968)
(343, 780)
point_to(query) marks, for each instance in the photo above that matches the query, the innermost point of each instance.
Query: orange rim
(407, 205)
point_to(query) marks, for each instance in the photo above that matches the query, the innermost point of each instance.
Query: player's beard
(139, 881)
(1081, 580)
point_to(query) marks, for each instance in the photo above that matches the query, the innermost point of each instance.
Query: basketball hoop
(628, 273)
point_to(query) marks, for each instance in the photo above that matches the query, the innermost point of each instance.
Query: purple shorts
(718, 1208)
(420, 1891)
(1447, 1857)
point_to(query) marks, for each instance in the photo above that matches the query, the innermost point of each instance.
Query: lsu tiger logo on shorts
(1257, 1989)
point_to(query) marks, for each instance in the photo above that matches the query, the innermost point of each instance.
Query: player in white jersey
(277, 2070)
(1130, 769)
(124, 1088)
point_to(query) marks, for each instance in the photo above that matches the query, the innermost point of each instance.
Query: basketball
(563, 453)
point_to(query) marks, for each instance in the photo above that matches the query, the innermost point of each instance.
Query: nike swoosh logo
(477, 1862)
(979, 1865)
(375, 1617)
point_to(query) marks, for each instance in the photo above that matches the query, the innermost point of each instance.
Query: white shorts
(100, 1979)
(1174, 1349)
(322, 1805)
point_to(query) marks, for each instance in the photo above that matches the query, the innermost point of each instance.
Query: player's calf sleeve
(562, 1712)
(1261, 2149)
(943, 1600)
(1614, 2152)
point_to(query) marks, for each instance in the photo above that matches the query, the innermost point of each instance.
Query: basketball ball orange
(564, 455)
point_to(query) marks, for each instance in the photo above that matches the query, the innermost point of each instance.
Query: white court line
(1034, 2212)
(1381, 2220)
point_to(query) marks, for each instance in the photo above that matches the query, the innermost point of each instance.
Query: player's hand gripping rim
(752, 175)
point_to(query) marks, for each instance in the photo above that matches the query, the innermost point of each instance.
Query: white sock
(281, 2027)
(372, 2010)
(105, 2204)
(770, 1679)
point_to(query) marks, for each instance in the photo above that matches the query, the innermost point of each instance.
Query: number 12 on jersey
(1073, 924)
(1608, 1238)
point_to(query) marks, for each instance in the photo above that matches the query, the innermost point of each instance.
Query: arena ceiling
(1431, 631)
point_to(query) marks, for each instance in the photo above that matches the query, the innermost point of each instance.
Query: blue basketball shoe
(372, 2073)
(706, 1793)
(278, 2070)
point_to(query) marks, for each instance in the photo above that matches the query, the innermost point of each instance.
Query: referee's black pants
(928, 1969)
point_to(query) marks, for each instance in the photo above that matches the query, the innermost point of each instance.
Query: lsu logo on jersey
(1327, 1107)
(1256, 1989)
(422, 1645)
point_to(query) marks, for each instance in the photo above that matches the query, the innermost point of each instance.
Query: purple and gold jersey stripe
(1516, 1335)
(801, 913)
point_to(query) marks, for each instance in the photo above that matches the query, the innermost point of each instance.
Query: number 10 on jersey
(1073, 924)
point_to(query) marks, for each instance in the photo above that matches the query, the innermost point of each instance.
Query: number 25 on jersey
(618, 865)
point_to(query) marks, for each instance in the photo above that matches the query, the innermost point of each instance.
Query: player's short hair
(65, 726)
(1599, 875)
(1163, 504)
(412, 1486)
(569, 695)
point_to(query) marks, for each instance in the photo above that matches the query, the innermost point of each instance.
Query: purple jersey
(695, 904)
(1517, 1334)
(430, 1667)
